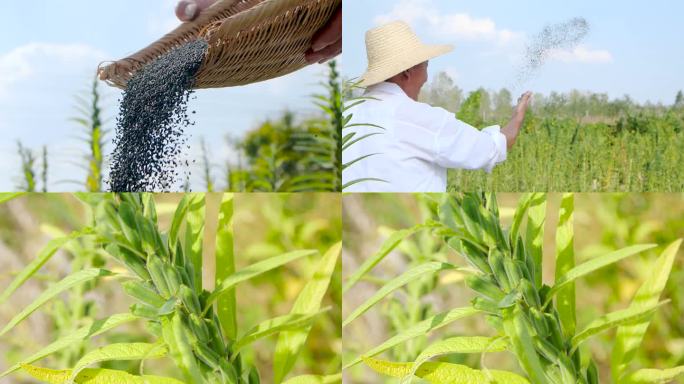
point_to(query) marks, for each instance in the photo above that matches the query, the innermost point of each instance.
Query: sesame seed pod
(190, 300)
(132, 261)
(156, 268)
(496, 262)
(216, 337)
(495, 321)
(512, 272)
(485, 305)
(144, 311)
(173, 279)
(539, 322)
(128, 224)
(199, 328)
(143, 292)
(530, 294)
(207, 356)
(253, 377)
(592, 373)
(555, 331)
(485, 286)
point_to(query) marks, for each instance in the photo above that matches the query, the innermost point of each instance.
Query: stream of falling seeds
(566, 35)
(153, 115)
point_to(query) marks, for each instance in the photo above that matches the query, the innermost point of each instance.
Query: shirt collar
(386, 87)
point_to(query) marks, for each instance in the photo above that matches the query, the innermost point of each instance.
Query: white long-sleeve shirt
(417, 146)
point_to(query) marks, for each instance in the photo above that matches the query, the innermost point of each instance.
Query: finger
(324, 54)
(188, 10)
(329, 34)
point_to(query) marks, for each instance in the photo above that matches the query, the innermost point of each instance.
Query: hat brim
(390, 67)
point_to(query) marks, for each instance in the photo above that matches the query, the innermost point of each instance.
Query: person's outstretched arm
(512, 129)
(326, 43)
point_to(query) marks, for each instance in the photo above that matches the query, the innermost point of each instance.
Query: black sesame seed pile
(150, 130)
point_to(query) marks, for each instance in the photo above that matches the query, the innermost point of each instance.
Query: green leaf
(534, 236)
(194, 236)
(629, 337)
(95, 376)
(255, 270)
(648, 376)
(630, 315)
(396, 283)
(43, 257)
(445, 373)
(316, 379)
(518, 216)
(518, 331)
(225, 266)
(565, 261)
(388, 246)
(309, 301)
(116, 352)
(419, 329)
(460, 344)
(84, 333)
(595, 264)
(273, 326)
(177, 221)
(7, 196)
(68, 282)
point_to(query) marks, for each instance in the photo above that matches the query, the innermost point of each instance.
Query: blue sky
(634, 47)
(49, 51)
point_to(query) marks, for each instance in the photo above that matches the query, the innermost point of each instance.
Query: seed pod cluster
(163, 289)
(471, 226)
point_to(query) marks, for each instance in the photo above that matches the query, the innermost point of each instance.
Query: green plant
(28, 172)
(90, 118)
(534, 321)
(196, 328)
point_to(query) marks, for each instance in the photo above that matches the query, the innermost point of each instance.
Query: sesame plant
(534, 322)
(90, 118)
(189, 323)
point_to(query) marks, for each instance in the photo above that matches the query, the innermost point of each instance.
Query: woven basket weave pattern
(249, 41)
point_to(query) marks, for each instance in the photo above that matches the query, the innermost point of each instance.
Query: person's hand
(523, 103)
(188, 10)
(327, 42)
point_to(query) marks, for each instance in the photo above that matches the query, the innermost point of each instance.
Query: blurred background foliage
(264, 224)
(602, 222)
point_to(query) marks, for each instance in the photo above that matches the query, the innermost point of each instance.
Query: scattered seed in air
(153, 116)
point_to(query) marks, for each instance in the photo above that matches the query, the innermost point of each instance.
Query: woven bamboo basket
(249, 41)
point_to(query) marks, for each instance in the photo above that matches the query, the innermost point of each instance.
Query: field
(415, 289)
(197, 295)
(573, 142)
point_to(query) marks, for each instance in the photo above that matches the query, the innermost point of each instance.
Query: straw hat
(393, 48)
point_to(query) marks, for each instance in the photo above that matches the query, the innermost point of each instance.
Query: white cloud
(581, 54)
(456, 26)
(36, 59)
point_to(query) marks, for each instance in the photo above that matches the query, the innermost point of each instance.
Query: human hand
(327, 42)
(188, 10)
(523, 104)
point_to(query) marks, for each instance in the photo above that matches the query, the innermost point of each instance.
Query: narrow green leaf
(655, 376)
(419, 329)
(68, 282)
(43, 257)
(194, 236)
(116, 352)
(596, 264)
(225, 266)
(534, 236)
(309, 301)
(446, 373)
(255, 270)
(388, 246)
(396, 283)
(178, 220)
(315, 379)
(95, 376)
(84, 333)
(518, 331)
(459, 344)
(630, 315)
(565, 261)
(518, 216)
(7, 196)
(273, 326)
(629, 337)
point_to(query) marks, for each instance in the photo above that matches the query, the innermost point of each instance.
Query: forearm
(512, 129)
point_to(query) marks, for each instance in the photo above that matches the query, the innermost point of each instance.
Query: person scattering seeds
(418, 142)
